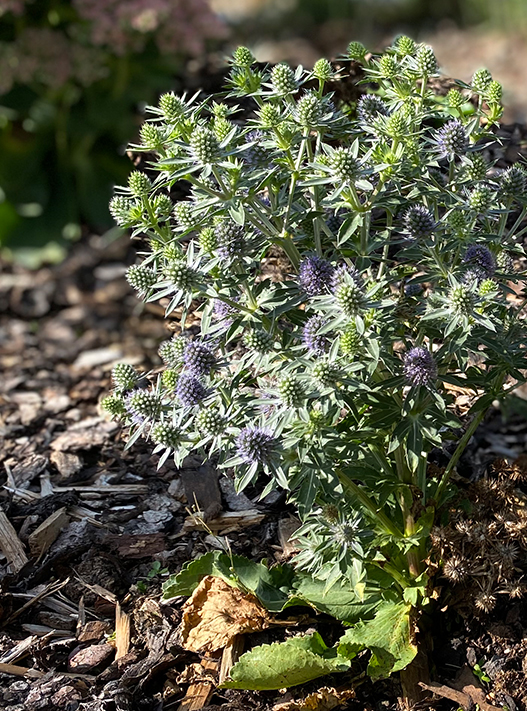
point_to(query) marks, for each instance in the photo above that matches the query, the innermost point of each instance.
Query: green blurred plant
(73, 75)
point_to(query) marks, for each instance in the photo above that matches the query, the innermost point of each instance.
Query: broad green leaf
(340, 601)
(387, 636)
(289, 663)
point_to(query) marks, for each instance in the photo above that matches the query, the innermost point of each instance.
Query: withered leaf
(217, 612)
(325, 699)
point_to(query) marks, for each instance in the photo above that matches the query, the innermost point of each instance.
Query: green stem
(368, 504)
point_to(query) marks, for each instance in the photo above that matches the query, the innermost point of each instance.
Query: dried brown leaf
(216, 613)
(325, 699)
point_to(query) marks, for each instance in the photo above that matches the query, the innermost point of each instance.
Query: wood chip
(226, 522)
(90, 657)
(11, 546)
(66, 463)
(20, 671)
(231, 653)
(199, 692)
(122, 632)
(47, 533)
(19, 651)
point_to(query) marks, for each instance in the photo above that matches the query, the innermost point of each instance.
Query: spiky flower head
(451, 139)
(180, 274)
(350, 298)
(255, 445)
(230, 239)
(345, 274)
(343, 164)
(283, 79)
(166, 434)
(224, 312)
(204, 145)
(513, 181)
(169, 378)
(207, 240)
(457, 221)
(172, 107)
(477, 168)
(152, 136)
(456, 569)
(139, 183)
(140, 278)
(325, 374)
(494, 93)
(426, 61)
(124, 376)
(505, 262)
(455, 99)
(317, 343)
(259, 340)
(171, 352)
(190, 391)
(463, 298)
(480, 199)
(243, 57)
(183, 215)
(162, 204)
(485, 602)
(345, 533)
(481, 80)
(419, 222)
(114, 405)
(198, 359)
(142, 404)
(488, 287)
(419, 367)
(269, 116)
(314, 275)
(222, 128)
(350, 342)
(356, 51)
(405, 46)
(369, 107)
(309, 110)
(388, 66)
(210, 422)
(120, 210)
(481, 257)
(322, 70)
(256, 156)
(291, 391)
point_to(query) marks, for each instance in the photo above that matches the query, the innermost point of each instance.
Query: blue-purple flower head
(419, 367)
(452, 139)
(369, 107)
(346, 274)
(481, 258)
(198, 359)
(315, 275)
(256, 155)
(190, 391)
(224, 312)
(230, 240)
(419, 222)
(255, 445)
(317, 343)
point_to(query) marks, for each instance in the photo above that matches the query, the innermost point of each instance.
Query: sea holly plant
(352, 267)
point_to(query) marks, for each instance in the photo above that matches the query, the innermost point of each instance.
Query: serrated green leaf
(387, 636)
(281, 665)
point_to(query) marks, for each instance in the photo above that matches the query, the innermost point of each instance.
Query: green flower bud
(513, 181)
(171, 352)
(350, 299)
(463, 299)
(165, 434)
(139, 183)
(169, 378)
(308, 110)
(323, 70)
(162, 204)
(350, 342)
(269, 116)
(204, 145)
(208, 240)
(488, 287)
(455, 99)
(124, 376)
(243, 57)
(181, 275)
(356, 50)
(405, 46)
(114, 405)
(120, 210)
(457, 221)
(141, 278)
(172, 107)
(343, 164)
(143, 403)
(494, 93)
(210, 422)
(222, 128)
(183, 215)
(152, 137)
(505, 262)
(481, 80)
(283, 79)
(388, 66)
(259, 341)
(396, 125)
(325, 374)
(291, 391)
(477, 170)
(480, 199)
(426, 60)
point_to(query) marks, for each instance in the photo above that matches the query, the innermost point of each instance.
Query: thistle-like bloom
(419, 222)
(198, 359)
(419, 366)
(230, 239)
(345, 274)
(256, 156)
(124, 376)
(452, 139)
(224, 312)
(479, 256)
(317, 343)
(314, 275)
(190, 391)
(513, 181)
(369, 107)
(255, 445)
(141, 404)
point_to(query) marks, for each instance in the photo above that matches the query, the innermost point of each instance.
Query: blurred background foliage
(76, 74)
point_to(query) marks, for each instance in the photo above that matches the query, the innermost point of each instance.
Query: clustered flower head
(255, 445)
(451, 140)
(419, 366)
(315, 275)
